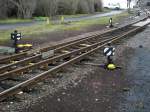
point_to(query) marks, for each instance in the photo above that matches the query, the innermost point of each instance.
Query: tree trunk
(25, 7)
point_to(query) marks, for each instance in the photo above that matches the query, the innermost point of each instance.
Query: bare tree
(91, 6)
(67, 6)
(46, 7)
(3, 8)
(25, 7)
(28, 8)
(98, 5)
(138, 2)
(129, 5)
(83, 7)
(50, 7)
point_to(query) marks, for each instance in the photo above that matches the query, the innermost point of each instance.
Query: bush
(3, 9)
(98, 5)
(83, 7)
(29, 8)
(67, 7)
(89, 6)
(46, 8)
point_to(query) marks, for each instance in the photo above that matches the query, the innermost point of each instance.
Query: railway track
(68, 47)
(25, 55)
(11, 62)
(64, 55)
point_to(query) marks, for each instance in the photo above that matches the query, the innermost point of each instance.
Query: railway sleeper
(55, 70)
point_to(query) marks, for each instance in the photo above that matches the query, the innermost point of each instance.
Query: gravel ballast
(80, 88)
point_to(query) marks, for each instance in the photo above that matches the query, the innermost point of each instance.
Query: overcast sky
(123, 3)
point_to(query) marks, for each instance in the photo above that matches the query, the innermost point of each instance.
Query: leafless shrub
(28, 8)
(3, 9)
(25, 8)
(67, 6)
(98, 5)
(46, 7)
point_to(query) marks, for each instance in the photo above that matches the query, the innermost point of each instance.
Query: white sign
(109, 51)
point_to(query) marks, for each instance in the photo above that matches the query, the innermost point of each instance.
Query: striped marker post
(109, 51)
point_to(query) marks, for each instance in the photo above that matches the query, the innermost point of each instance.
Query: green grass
(40, 18)
(31, 30)
(12, 21)
(44, 28)
(100, 21)
(73, 16)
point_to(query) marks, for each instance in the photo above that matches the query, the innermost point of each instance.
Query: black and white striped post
(16, 37)
(109, 52)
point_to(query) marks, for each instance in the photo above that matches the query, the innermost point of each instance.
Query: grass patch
(100, 21)
(74, 16)
(44, 28)
(13, 21)
(28, 31)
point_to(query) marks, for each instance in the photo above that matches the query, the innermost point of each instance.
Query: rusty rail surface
(13, 57)
(56, 48)
(75, 56)
(17, 71)
(24, 55)
(7, 67)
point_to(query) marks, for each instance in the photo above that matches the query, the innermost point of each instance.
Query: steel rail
(37, 57)
(28, 60)
(33, 58)
(40, 77)
(24, 54)
(20, 70)
(47, 61)
(17, 56)
(12, 57)
(24, 61)
(26, 84)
